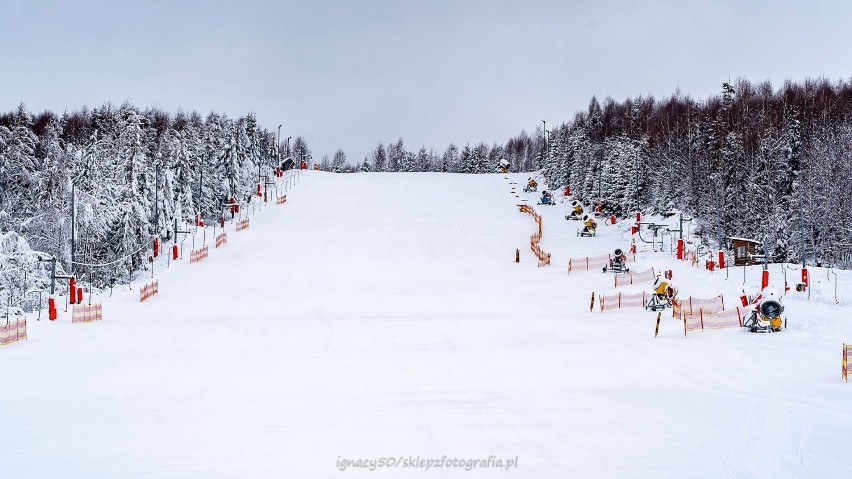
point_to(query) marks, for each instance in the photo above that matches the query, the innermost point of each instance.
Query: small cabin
(745, 251)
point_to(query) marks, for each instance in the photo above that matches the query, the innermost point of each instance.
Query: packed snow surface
(383, 315)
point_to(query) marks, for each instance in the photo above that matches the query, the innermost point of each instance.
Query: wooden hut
(745, 251)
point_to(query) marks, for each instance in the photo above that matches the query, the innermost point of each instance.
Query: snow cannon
(663, 295)
(618, 263)
(766, 316)
(576, 211)
(589, 226)
(504, 166)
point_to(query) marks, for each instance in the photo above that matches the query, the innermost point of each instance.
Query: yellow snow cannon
(532, 186)
(504, 166)
(576, 211)
(589, 226)
(662, 297)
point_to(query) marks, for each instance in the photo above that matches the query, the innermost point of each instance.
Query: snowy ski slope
(382, 315)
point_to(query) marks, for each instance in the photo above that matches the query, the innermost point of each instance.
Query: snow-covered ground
(382, 315)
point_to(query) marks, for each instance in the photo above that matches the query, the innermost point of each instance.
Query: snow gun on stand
(504, 166)
(532, 186)
(662, 297)
(546, 198)
(575, 212)
(618, 263)
(766, 315)
(589, 226)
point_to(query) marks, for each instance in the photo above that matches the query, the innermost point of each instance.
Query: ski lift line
(113, 262)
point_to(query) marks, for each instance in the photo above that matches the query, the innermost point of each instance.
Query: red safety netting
(13, 330)
(624, 279)
(86, 313)
(198, 255)
(535, 238)
(149, 290)
(221, 239)
(691, 305)
(700, 320)
(722, 319)
(593, 262)
(622, 300)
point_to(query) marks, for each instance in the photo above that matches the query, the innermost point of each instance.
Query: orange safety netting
(624, 279)
(701, 320)
(593, 262)
(86, 313)
(609, 302)
(535, 238)
(198, 255)
(149, 290)
(13, 330)
(691, 305)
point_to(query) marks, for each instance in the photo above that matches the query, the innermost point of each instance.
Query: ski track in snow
(382, 315)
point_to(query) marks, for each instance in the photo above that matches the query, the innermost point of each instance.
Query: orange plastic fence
(242, 224)
(13, 331)
(609, 302)
(198, 255)
(624, 279)
(149, 290)
(221, 239)
(593, 262)
(847, 357)
(281, 200)
(86, 313)
(535, 238)
(690, 305)
(701, 320)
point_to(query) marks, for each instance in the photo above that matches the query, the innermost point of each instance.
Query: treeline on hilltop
(120, 160)
(751, 161)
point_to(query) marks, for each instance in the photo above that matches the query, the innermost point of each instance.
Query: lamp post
(546, 149)
(73, 228)
(278, 145)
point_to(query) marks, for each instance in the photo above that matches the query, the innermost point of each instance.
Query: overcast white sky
(348, 74)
